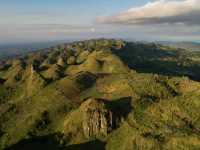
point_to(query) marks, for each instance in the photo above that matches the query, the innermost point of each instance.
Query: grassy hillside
(101, 94)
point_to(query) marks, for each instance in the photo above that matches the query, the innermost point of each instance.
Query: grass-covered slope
(101, 94)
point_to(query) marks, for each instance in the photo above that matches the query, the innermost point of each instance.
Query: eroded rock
(97, 118)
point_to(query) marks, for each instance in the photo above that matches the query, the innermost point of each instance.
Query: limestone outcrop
(97, 118)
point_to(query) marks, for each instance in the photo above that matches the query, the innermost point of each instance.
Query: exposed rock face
(97, 118)
(34, 81)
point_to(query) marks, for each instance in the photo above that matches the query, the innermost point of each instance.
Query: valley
(102, 94)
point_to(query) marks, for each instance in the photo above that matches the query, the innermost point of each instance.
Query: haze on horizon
(50, 20)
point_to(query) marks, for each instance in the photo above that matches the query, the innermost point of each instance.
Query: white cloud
(159, 12)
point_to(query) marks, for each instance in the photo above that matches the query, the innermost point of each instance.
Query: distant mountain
(12, 50)
(194, 46)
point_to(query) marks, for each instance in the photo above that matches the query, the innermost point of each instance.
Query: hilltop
(101, 94)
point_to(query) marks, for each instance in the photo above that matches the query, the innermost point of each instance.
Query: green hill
(101, 94)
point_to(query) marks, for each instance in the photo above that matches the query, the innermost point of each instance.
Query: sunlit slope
(101, 94)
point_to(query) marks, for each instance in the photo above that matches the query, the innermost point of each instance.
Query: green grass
(45, 102)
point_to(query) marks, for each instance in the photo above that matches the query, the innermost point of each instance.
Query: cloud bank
(42, 32)
(185, 12)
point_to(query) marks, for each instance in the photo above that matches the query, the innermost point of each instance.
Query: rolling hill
(103, 95)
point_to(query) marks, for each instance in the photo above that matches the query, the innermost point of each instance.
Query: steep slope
(101, 94)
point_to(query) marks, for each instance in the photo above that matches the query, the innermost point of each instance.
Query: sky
(50, 20)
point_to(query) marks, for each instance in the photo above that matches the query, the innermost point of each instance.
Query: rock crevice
(97, 120)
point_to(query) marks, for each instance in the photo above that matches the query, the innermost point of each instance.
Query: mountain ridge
(101, 94)
(193, 46)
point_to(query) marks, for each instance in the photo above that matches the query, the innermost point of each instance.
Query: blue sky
(61, 11)
(43, 20)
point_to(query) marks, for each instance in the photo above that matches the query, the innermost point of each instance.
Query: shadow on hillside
(92, 145)
(2, 81)
(120, 109)
(150, 59)
(50, 143)
(37, 143)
